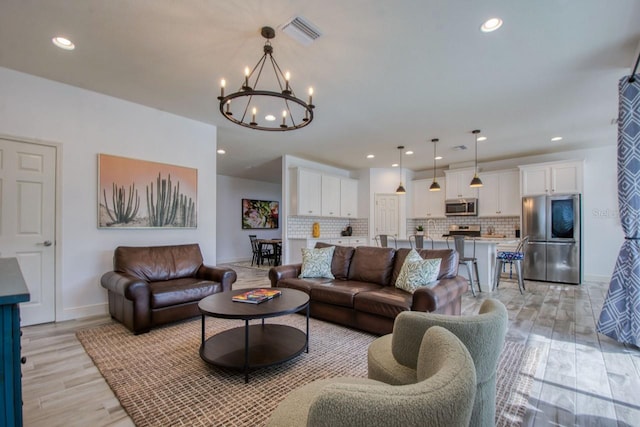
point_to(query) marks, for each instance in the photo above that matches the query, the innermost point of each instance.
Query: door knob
(47, 243)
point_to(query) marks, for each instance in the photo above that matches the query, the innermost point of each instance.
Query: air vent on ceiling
(301, 30)
(459, 148)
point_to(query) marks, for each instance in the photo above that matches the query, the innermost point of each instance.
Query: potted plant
(419, 230)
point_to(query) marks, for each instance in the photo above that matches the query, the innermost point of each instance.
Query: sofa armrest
(224, 275)
(445, 292)
(131, 287)
(284, 272)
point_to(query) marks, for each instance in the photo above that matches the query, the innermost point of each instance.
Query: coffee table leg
(307, 343)
(202, 340)
(246, 351)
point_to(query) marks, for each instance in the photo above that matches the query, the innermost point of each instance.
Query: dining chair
(516, 257)
(258, 252)
(470, 262)
(383, 240)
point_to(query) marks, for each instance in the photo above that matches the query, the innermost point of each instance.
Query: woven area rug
(247, 264)
(160, 379)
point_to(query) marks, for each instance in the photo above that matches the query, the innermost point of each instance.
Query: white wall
(83, 124)
(233, 241)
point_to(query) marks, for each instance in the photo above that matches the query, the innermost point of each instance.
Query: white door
(27, 222)
(387, 214)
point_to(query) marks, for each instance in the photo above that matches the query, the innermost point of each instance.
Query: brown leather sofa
(363, 294)
(154, 285)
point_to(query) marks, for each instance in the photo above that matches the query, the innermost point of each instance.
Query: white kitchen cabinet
(428, 204)
(457, 184)
(330, 196)
(499, 194)
(348, 198)
(305, 197)
(551, 178)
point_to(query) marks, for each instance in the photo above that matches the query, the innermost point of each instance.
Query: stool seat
(513, 258)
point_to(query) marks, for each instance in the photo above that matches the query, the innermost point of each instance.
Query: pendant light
(400, 189)
(434, 185)
(476, 182)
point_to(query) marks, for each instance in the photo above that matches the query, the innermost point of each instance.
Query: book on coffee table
(256, 296)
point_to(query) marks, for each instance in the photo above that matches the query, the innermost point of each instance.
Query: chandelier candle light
(400, 189)
(476, 182)
(434, 185)
(296, 113)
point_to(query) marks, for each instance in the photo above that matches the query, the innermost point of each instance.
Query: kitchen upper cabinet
(316, 194)
(499, 194)
(330, 196)
(348, 198)
(551, 178)
(458, 184)
(428, 204)
(305, 197)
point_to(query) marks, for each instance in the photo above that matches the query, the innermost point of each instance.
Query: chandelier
(257, 108)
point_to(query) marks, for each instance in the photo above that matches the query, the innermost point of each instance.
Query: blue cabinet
(13, 291)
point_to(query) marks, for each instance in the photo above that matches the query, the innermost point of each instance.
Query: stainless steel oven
(461, 207)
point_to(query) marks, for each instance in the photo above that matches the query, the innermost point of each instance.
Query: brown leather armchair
(153, 285)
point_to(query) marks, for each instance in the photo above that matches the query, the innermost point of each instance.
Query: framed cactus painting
(142, 194)
(259, 214)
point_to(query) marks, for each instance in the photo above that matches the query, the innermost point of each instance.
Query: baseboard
(596, 278)
(101, 309)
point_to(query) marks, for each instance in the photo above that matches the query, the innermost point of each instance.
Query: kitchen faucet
(430, 221)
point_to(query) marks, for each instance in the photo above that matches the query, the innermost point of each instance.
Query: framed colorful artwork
(141, 194)
(259, 214)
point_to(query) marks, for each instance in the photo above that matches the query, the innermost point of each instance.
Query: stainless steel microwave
(461, 207)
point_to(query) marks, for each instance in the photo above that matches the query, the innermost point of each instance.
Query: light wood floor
(583, 379)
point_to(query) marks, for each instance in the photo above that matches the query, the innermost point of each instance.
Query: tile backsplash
(301, 226)
(438, 227)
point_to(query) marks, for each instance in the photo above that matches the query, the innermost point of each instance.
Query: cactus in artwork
(163, 210)
(186, 212)
(124, 207)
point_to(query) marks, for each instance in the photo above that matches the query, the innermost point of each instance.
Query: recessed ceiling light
(370, 156)
(482, 138)
(408, 153)
(63, 43)
(556, 138)
(270, 117)
(221, 151)
(439, 157)
(395, 165)
(491, 24)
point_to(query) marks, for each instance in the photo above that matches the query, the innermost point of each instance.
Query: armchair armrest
(224, 275)
(447, 290)
(284, 272)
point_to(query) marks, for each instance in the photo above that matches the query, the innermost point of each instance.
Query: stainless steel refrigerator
(554, 229)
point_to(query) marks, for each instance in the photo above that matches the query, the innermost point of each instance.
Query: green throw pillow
(317, 262)
(417, 272)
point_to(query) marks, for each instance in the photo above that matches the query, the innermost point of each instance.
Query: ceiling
(384, 73)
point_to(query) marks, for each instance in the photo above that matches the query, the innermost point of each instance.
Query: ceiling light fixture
(490, 25)
(63, 43)
(370, 156)
(220, 151)
(249, 99)
(556, 138)
(400, 189)
(434, 185)
(476, 182)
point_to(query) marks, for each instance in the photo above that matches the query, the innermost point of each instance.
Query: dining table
(276, 250)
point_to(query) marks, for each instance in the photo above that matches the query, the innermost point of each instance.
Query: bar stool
(507, 257)
(382, 240)
(417, 241)
(470, 262)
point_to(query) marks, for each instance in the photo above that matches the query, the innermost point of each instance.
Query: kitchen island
(486, 250)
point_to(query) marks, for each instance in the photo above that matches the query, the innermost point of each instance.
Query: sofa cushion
(156, 263)
(386, 301)
(180, 291)
(372, 264)
(417, 272)
(341, 259)
(317, 262)
(340, 292)
(448, 263)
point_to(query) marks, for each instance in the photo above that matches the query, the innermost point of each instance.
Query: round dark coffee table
(257, 345)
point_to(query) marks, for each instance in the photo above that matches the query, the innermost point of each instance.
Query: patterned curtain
(620, 316)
